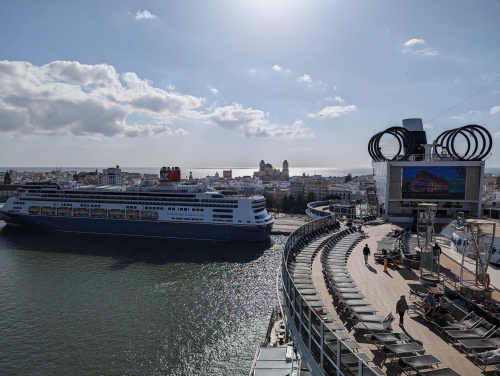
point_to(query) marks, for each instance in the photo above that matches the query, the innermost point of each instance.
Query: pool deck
(383, 290)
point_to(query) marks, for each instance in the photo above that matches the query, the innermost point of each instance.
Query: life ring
(487, 280)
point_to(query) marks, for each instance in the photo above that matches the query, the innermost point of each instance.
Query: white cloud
(94, 101)
(212, 89)
(464, 116)
(337, 99)
(170, 87)
(496, 134)
(413, 42)
(145, 15)
(62, 98)
(494, 110)
(278, 68)
(305, 79)
(334, 111)
(254, 123)
(428, 126)
(413, 45)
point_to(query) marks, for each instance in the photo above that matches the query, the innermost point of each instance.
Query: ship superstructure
(169, 209)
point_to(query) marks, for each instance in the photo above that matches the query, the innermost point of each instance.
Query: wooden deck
(383, 289)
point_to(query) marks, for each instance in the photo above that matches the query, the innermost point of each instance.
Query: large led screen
(433, 183)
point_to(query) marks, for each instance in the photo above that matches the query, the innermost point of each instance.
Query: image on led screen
(434, 182)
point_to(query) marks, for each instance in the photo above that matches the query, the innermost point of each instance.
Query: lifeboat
(63, 211)
(81, 212)
(149, 214)
(99, 213)
(34, 209)
(48, 210)
(116, 213)
(132, 214)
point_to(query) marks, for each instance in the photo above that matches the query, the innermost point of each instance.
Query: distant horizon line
(200, 168)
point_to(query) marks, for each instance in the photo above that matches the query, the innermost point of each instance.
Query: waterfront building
(296, 186)
(111, 176)
(490, 183)
(317, 185)
(280, 194)
(268, 172)
(305, 185)
(342, 194)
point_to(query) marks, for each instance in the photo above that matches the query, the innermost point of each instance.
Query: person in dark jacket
(366, 253)
(401, 308)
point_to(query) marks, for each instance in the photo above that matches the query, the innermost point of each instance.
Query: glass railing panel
(316, 334)
(304, 333)
(348, 360)
(316, 352)
(330, 349)
(367, 371)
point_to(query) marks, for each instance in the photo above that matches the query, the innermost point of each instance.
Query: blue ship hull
(144, 228)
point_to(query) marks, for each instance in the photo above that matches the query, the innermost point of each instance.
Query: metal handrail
(302, 331)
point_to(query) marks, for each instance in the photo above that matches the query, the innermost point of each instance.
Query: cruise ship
(170, 209)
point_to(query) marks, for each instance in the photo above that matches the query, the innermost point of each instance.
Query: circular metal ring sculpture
(406, 144)
(478, 143)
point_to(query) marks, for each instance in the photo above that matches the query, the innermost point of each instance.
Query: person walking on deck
(436, 255)
(366, 253)
(401, 308)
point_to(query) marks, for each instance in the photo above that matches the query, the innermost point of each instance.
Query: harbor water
(97, 305)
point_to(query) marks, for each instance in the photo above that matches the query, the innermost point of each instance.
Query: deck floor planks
(383, 290)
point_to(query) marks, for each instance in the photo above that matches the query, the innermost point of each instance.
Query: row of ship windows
(126, 202)
(132, 207)
(217, 217)
(109, 198)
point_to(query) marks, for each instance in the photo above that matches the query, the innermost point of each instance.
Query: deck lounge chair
(441, 372)
(443, 309)
(402, 349)
(418, 362)
(382, 339)
(367, 317)
(375, 326)
(485, 330)
(483, 362)
(478, 345)
(468, 322)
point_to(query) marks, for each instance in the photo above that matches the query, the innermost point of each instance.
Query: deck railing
(322, 351)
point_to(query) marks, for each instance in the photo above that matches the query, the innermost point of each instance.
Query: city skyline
(227, 83)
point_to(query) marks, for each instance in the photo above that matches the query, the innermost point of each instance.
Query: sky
(228, 83)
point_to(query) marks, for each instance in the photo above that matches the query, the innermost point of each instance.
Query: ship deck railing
(323, 350)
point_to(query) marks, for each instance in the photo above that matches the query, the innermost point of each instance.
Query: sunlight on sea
(82, 304)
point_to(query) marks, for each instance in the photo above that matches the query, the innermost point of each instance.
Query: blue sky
(226, 83)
